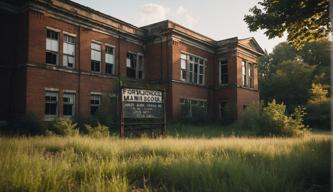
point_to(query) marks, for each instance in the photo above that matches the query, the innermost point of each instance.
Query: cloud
(185, 18)
(151, 13)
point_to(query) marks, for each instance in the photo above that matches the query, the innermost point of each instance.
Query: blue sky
(217, 19)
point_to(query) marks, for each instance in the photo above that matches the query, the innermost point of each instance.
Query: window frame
(113, 65)
(66, 54)
(56, 53)
(94, 95)
(193, 101)
(73, 104)
(223, 62)
(244, 74)
(193, 64)
(55, 94)
(92, 60)
(136, 68)
(251, 75)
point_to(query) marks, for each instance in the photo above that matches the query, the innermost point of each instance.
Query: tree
(303, 20)
(288, 83)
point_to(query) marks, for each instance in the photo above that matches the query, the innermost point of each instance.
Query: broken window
(52, 47)
(69, 51)
(96, 57)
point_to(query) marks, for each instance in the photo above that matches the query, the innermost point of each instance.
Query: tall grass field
(166, 164)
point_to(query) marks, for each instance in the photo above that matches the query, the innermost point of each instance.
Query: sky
(217, 19)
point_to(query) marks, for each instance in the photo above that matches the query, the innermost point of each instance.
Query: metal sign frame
(136, 125)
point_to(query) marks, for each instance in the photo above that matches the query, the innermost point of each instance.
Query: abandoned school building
(60, 58)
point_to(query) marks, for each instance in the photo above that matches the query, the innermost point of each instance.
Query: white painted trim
(95, 41)
(53, 29)
(95, 93)
(69, 91)
(191, 54)
(70, 34)
(110, 45)
(51, 89)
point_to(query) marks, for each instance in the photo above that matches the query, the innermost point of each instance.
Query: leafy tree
(303, 20)
(318, 107)
(288, 83)
(318, 94)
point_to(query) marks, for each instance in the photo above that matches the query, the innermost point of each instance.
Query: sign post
(142, 108)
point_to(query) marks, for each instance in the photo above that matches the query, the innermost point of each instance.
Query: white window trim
(114, 55)
(53, 29)
(50, 51)
(64, 54)
(52, 117)
(69, 92)
(95, 93)
(70, 34)
(137, 64)
(188, 62)
(101, 44)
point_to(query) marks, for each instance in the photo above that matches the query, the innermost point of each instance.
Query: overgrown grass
(169, 164)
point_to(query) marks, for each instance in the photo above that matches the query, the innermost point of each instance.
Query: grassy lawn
(170, 164)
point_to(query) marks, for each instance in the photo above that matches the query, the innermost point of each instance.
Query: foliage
(229, 114)
(27, 124)
(318, 93)
(98, 131)
(273, 121)
(319, 107)
(171, 164)
(289, 83)
(303, 20)
(319, 115)
(65, 127)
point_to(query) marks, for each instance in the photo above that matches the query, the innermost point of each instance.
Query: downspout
(79, 73)
(161, 58)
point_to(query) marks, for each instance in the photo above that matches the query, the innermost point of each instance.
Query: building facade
(60, 58)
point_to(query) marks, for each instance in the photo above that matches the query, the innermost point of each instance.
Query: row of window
(134, 61)
(247, 73)
(68, 104)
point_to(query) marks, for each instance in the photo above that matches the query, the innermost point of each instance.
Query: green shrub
(319, 115)
(98, 131)
(273, 121)
(66, 127)
(27, 124)
(229, 114)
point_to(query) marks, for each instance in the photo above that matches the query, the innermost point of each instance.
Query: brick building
(59, 58)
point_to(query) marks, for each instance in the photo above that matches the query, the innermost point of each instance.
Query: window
(183, 67)
(95, 101)
(68, 104)
(109, 60)
(193, 108)
(251, 75)
(223, 72)
(52, 47)
(51, 104)
(192, 69)
(135, 66)
(222, 109)
(244, 82)
(96, 57)
(69, 51)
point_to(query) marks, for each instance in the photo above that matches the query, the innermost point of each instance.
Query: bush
(66, 127)
(319, 115)
(229, 114)
(98, 131)
(27, 124)
(273, 121)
